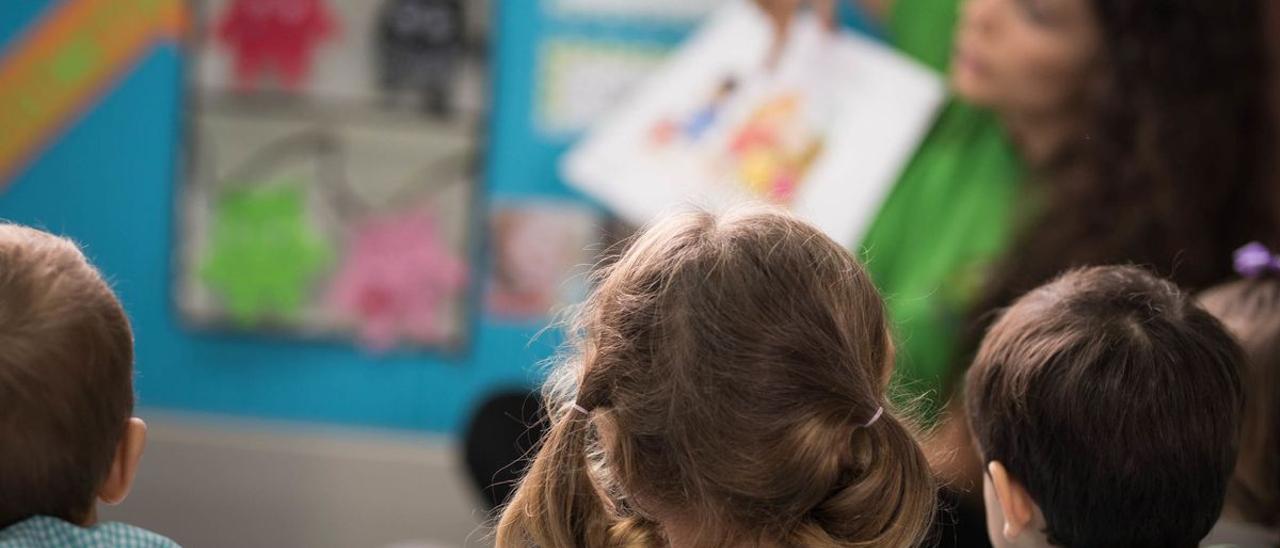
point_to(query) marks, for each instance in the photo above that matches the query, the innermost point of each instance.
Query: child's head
(1106, 406)
(66, 388)
(1250, 309)
(727, 367)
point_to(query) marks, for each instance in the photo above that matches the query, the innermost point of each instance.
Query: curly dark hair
(1172, 169)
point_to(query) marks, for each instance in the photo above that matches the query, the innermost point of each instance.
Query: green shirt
(925, 29)
(947, 218)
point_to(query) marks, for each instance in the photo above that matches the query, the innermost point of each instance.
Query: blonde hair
(1250, 309)
(728, 366)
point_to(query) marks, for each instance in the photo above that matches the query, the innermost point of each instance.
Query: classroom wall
(110, 180)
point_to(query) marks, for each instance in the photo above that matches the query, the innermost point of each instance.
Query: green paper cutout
(263, 256)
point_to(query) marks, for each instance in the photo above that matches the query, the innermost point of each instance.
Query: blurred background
(338, 228)
(346, 230)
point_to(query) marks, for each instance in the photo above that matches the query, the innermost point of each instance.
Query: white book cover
(824, 130)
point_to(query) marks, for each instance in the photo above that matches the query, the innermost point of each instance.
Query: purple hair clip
(1255, 261)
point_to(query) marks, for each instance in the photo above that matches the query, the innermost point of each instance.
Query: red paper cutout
(275, 35)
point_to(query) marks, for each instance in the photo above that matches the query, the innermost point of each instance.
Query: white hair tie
(875, 417)
(575, 407)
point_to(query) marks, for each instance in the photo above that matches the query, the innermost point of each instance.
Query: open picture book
(822, 125)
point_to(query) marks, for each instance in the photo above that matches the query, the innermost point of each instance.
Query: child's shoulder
(44, 531)
(1235, 534)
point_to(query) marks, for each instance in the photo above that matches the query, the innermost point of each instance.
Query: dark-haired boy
(1105, 405)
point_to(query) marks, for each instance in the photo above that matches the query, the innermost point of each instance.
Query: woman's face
(1025, 57)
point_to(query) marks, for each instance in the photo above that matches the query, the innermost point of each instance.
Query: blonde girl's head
(727, 374)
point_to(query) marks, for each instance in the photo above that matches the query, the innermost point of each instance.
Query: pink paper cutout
(275, 35)
(397, 276)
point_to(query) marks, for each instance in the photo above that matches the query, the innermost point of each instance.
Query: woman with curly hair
(1081, 132)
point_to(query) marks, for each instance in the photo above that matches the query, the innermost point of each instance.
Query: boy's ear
(1016, 504)
(125, 466)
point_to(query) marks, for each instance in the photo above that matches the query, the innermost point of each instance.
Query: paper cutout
(397, 278)
(264, 256)
(420, 43)
(825, 129)
(67, 60)
(275, 36)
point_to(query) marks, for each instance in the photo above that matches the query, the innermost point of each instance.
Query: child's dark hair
(727, 367)
(66, 387)
(1251, 311)
(1115, 401)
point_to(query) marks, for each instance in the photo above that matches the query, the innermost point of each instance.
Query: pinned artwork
(320, 202)
(264, 255)
(420, 46)
(398, 280)
(580, 79)
(822, 128)
(542, 253)
(274, 37)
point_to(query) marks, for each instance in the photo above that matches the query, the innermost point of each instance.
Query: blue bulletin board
(110, 181)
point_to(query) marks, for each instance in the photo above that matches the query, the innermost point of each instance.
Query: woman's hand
(781, 12)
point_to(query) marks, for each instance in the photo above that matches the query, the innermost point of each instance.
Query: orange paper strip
(66, 60)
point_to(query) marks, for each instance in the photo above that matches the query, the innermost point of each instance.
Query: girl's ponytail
(884, 502)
